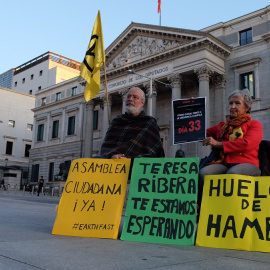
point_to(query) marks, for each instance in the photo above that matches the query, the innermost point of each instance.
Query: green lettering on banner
(162, 201)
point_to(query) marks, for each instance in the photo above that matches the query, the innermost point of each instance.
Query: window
(39, 88)
(58, 96)
(245, 36)
(74, 91)
(35, 173)
(26, 150)
(40, 72)
(55, 129)
(11, 123)
(95, 120)
(51, 171)
(247, 82)
(30, 92)
(14, 175)
(40, 132)
(15, 84)
(29, 127)
(43, 101)
(71, 125)
(23, 80)
(32, 76)
(9, 147)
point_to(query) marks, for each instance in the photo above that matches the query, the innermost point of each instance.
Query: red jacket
(243, 145)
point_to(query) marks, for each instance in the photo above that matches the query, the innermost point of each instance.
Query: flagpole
(160, 18)
(107, 94)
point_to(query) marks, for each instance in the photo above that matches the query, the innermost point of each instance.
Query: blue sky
(30, 28)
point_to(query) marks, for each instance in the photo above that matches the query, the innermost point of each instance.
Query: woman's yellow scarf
(228, 128)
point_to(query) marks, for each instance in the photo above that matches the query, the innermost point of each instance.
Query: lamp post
(131, 71)
(150, 101)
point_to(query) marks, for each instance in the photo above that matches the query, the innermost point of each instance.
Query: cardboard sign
(162, 201)
(235, 213)
(189, 120)
(92, 201)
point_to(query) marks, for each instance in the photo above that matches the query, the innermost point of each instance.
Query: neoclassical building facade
(16, 130)
(180, 63)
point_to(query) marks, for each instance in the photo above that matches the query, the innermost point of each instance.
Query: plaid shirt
(134, 136)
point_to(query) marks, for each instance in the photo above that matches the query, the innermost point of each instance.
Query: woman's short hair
(246, 96)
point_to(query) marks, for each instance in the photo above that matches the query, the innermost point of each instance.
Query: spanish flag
(93, 61)
(159, 6)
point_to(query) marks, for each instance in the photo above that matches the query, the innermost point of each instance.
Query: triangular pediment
(140, 41)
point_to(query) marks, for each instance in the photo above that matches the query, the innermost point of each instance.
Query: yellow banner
(92, 201)
(235, 213)
(93, 61)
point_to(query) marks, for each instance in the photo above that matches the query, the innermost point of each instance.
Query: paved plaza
(26, 243)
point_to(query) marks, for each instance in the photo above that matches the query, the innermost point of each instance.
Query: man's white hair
(138, 88)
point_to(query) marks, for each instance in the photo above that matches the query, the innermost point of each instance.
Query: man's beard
(130, 109)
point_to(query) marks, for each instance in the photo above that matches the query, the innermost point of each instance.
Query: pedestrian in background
(3, 184)
(40, 184)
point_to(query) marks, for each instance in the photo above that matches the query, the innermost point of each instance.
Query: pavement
(26, 243)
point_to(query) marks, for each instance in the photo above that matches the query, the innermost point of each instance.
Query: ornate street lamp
(131, 71)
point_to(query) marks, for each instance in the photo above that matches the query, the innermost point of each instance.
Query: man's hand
(117, 156)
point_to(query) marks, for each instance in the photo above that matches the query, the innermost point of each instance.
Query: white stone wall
(37, 80)
(15, 106)
(64, 147)
(52, 73)
(253, 57)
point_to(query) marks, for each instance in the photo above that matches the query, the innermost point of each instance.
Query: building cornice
(213, 45)
(49, 106)
(231, 23)
(16, 92)
(245, 63)
(60, 59)
(55, 86)
(135, 29)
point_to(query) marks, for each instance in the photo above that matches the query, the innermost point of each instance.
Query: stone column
(80, 126)
(154, 101)
(151, 95)
(63, 125)
(106, 109)
(204, 74)
(220, 102)
(236, 79)
(148, 97)
(47, 135)
(256, 77)
(88, 135)
(123, 95)
(175, 81)
(34, 131)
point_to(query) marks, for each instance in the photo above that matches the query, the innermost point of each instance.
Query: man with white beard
(133, 134)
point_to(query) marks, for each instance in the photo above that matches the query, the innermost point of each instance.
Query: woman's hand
(212, 142)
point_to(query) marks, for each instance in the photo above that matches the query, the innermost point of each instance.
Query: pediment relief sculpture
(139, 48)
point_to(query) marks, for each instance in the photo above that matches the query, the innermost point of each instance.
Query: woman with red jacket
(237, 141)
